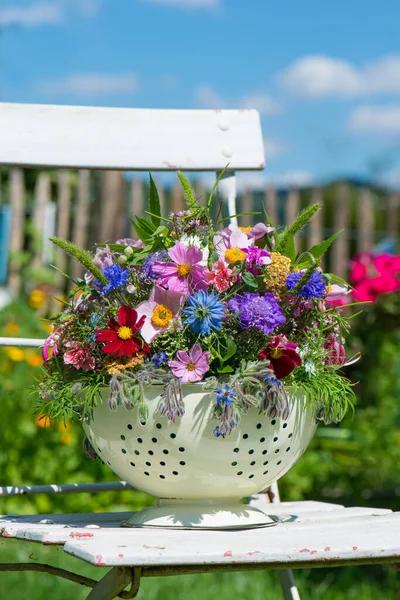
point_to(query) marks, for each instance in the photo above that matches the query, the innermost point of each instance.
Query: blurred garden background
(327, 87)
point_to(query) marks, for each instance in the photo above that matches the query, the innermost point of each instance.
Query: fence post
(177, 200)
(42, 197)
(79, 233)
(271, 204)
(340, 249)
(112, 205)
(292, 205)
(392, 216)
(137, 198)
(17, 203)
(63, 214)
(365, 220)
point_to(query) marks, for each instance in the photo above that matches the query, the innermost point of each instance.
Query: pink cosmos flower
(161, 307)
(79, 357)
(336, 351)
(230, 244)
(337, 295)
(190, 366)
(221, 276)
(260, 230)
(184, 274)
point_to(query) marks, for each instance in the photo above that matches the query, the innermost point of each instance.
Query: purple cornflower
(117, 277)
(258, 311)
(314, 288)
(225, 395)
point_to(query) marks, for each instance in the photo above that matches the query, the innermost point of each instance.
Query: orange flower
(11, 328)
(43, 421)
(34, 360)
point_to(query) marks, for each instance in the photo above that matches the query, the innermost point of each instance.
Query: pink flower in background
(79, 357)
(370, 289)
(337, 295)
(387, 264)
(190, 367)
(184, 274)
(160, 309)
(374, 275)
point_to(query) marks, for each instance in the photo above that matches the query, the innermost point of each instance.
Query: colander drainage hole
(290, 435)
(146, 473)
(265, 472)
(132, 464)
(279, 462)
(182, 462)
(265, 463)
(140, 441)
(137, 452)
(273, 422)
(245, 436)
(172, 436)
(162, 463)
(259, 425)
(236, 449)
(151, 452)
(129, 426)
(162, 476)
(148, 463)
(264, 452)
(234, 463)
(159, 426)
(276, 451)
(181, 449)
(251, 476)
(262, 440)
(275, 439)
(175, 473)
(240, 472)
(123, 451)
(284, 425)
(251, 451)
(253, 462)
(122, 437)
(154, 440)
(165, 452)
(287, 449)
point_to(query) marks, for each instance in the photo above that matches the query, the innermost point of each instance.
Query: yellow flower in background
(64, 426)
(11, 328)
(16, 354)
(67, 438)
(36, 298)
(34, 360)
(47, 326)
(43, 421)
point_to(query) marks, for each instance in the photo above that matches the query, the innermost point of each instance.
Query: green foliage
(82, 257)
(188, 192)
(298, 224)
(154, 203)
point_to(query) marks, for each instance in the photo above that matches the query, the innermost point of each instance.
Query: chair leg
(286, 578)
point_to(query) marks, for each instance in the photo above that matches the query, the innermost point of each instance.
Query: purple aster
(258, 311)
(314, 288)
(117, 277)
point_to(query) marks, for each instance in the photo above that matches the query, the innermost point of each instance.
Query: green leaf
(226, 369)
(290, 250)
(140, 232)
(230, 351)
(188, 192)
(210, 198)
(249, 279)
(319, 250)
(301, 221)
(154, 203)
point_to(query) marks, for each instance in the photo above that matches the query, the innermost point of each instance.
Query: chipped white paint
(308, 533)
(129, 138)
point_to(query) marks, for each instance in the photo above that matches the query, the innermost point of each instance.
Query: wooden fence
(87, 207)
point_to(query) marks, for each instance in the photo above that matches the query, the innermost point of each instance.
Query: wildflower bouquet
(235, 310)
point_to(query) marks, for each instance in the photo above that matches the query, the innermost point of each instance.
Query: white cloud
(92, 84)
(207, 97)
(273, 148)
(319, 76)
(30, 16)
(186, 3)
(375, 119)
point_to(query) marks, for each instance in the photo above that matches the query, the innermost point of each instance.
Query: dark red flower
(121, 336)
(282, 355)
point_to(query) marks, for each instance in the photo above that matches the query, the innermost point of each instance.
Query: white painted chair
(165, 140)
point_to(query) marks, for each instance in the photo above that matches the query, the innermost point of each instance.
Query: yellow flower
(278, 270)
(11, 328)
(67, 438)
(34, 360)
(48, 327)
(234, 254)
(36, 298)
(115, 367)
(64, 426)
(43, 421)
(16, 354)
(246, 229)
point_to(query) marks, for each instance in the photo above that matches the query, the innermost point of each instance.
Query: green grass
(358, 583)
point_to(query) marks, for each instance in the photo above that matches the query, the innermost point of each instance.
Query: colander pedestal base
(200, 514)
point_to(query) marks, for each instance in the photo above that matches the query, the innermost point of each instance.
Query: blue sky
(324, 75)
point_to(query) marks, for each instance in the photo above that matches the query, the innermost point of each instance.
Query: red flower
(121, 337)
(282, 355)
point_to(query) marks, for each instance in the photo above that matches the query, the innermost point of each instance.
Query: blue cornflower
(204, 313)
(225, 395)
(314, 288)
(159, 358)
(273, 381)
(117, 277)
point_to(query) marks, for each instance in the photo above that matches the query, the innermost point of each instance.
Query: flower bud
(128, 251)
(122, 259)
